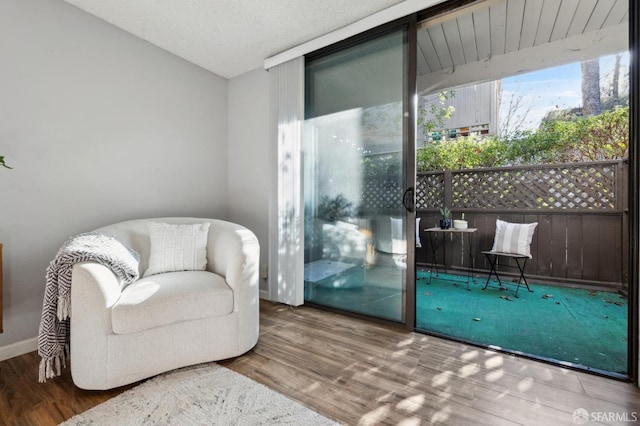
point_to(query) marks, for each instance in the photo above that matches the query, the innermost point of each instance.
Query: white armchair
(164, 321)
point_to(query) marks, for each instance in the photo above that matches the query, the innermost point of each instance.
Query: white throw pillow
(514, 238)
(177, 247)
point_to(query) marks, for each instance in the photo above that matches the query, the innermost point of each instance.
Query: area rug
(206, 394)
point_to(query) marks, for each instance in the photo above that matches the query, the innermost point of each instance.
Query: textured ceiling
(230, 37)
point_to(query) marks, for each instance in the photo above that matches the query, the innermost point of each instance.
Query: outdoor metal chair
(511, 240)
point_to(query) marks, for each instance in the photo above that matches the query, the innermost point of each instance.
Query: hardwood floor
(360, 373)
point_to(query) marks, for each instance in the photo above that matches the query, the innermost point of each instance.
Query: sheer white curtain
(286, 236)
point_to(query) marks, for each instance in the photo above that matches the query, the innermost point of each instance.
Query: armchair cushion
(168, 298)
(177, 247)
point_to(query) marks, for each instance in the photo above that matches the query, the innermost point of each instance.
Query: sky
(552, 88)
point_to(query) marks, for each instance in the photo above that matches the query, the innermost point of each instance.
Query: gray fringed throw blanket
(53, 335)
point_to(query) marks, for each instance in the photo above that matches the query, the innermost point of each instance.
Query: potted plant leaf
(445, 222)
(2, 163)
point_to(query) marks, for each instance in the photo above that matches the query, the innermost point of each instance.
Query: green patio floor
(583, 327)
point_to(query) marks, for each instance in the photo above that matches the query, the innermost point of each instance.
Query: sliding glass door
(524, 118)
(356, 177)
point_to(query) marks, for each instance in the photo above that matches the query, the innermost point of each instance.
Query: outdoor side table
(435, 245)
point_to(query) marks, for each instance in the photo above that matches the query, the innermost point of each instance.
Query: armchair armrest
(94, 290)
(234, 253)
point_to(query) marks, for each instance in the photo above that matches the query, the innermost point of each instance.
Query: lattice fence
(580, 186)
(430, 190)
(588, 186)
(382, 195)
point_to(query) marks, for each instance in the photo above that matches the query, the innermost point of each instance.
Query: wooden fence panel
(558, 246)
(609, 258)
(590, 262)
(542, 253)
(575, 247)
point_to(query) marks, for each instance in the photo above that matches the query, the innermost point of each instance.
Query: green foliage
(382, 165)
(603, 137)
(433, 113)
(445, 212)
(543, 146)
(332, 209)
(461, 153)
(597, 138)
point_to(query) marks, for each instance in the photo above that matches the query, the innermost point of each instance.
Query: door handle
(408, 199)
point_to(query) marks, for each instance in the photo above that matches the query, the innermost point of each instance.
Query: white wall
(249, 156)
(99, 126)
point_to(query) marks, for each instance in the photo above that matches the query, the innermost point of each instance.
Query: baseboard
(264, 294)
(18, 348)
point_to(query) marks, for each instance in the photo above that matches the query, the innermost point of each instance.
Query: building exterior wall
(476, 111)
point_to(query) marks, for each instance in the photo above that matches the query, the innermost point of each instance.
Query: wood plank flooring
(362, 373)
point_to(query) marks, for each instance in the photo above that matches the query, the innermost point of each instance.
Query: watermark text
(581, 416)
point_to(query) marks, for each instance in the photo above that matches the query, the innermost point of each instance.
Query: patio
(580, 327)
(577, 313)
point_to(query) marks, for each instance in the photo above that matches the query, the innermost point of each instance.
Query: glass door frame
(634, 191)
(409, 25)
(411, 114)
